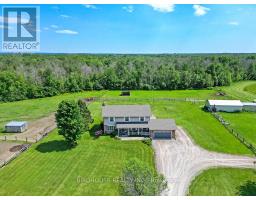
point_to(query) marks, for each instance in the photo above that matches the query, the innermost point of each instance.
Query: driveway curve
(181, 160)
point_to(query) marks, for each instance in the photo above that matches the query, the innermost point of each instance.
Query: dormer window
(126, 119)
(111, 119)
(142, 119)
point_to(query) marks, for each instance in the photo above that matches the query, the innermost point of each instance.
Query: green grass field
(224, 182)
(49, 168)
(251, 88)
(240, 90)
(92, 168)
(243, 123)
(204, 129)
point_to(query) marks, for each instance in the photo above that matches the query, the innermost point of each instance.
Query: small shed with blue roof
(16, 127)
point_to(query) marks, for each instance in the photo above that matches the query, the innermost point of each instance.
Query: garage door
(162, 135)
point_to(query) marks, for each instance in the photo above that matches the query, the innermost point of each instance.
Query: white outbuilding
(224, 105)
(16, 127)
(249, 106)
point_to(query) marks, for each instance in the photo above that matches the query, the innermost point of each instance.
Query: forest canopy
(24, 76)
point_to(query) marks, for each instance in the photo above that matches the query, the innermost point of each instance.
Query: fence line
(226, 124)
(33, 139)
(14, 155)
(154, 99)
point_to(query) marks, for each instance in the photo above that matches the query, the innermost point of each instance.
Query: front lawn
(92, 168)
(224, 182)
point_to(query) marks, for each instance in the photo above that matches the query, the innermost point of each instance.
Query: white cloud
(54, 26)
(233, 23)
(129, 9)
(200, 10)
(66, 31)
(166, 8)
(65, 16)
(46, 28)
(90, 6)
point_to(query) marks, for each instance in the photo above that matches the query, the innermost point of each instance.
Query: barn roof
(225, 102)
(249, 104)
(15, 123)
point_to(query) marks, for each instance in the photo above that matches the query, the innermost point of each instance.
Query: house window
(111, 119)
(142, 119)
(126, 119)
(111, 128)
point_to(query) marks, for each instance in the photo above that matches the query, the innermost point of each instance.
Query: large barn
(224, 105)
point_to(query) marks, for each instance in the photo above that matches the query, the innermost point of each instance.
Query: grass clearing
(224, 182)
(49, 168)
(251, 88)
(243, 123)
(238, 90)
(92, 168)
(202, 127)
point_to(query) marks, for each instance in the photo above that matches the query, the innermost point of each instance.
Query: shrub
(147, 141)
(138, 179)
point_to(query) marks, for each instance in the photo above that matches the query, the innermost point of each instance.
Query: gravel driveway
(181, 160)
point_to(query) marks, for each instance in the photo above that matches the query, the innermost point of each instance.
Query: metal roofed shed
(16, 127)
(249, 106)
(224, 105)
(126, 110)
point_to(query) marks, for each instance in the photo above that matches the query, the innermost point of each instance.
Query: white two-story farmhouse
(136, 120)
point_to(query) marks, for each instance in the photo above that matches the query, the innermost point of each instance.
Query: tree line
(25, 76)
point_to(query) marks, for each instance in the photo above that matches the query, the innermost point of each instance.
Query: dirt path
(181, 160)
(35, 130)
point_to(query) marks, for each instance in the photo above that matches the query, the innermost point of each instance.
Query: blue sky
(147, 28)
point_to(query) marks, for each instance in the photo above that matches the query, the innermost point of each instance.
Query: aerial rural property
(136, 114)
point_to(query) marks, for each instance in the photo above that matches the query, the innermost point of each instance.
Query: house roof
(225, 102)
(126, 110)
(249, 104)
(132, 126)
(162, 124)
(15, 123)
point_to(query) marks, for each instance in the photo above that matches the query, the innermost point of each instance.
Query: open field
(240, 90)
(49, 168)
(243, 123)
(224, 182)
(204, 129)
(37, 108)
(92, 168)
(251, 88)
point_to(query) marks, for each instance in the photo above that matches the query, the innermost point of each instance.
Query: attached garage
(162, 128)
(161, 135)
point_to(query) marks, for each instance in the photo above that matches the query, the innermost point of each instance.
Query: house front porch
(133, 130)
